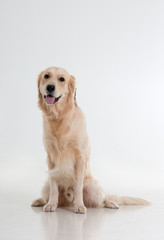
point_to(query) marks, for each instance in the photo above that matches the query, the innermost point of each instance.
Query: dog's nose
(50, 88)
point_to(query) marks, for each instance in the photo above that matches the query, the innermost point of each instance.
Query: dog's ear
(71, 85)
(40, 98)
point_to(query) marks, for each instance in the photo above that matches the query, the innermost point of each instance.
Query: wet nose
(50, 88)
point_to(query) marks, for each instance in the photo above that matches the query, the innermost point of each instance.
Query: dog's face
(54, 86)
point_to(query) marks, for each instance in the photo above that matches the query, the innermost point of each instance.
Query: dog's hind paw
(110, 204)
(38, 203)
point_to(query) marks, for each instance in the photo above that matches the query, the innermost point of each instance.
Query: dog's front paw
(80, 209)
(49, 207)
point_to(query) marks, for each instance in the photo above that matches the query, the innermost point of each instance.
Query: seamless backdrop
(115, 50)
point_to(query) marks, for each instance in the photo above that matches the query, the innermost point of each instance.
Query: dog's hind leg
(94, 196)
(40, 202)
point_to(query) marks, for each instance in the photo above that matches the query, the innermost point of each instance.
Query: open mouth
(51, 99)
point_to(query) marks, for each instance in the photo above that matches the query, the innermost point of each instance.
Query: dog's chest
(62, 155)
(64, 171)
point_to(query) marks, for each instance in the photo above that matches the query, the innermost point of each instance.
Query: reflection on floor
(19, 221)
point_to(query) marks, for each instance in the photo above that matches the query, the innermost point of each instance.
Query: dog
(70, 182)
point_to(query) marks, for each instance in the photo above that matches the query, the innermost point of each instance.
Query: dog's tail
(123, 200)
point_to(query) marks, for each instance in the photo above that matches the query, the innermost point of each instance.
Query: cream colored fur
(66, 142)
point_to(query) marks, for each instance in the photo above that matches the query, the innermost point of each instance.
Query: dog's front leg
(53, 198)
(78, 188)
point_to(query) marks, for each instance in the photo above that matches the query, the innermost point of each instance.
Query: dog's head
(56, 89)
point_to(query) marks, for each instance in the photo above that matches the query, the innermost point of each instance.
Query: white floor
(20, 184)
(19, 221)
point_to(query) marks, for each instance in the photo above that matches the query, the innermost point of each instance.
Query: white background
(115, 49)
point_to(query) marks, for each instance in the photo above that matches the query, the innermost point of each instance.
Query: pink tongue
(50, 100)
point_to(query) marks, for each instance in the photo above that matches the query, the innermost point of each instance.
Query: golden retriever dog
(70, 182)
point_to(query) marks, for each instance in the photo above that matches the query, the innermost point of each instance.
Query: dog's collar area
(51, 99)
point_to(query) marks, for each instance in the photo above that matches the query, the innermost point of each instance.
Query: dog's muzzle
(51, 99)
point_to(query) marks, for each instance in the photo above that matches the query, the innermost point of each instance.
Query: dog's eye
(46, 76)
(61, 79)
